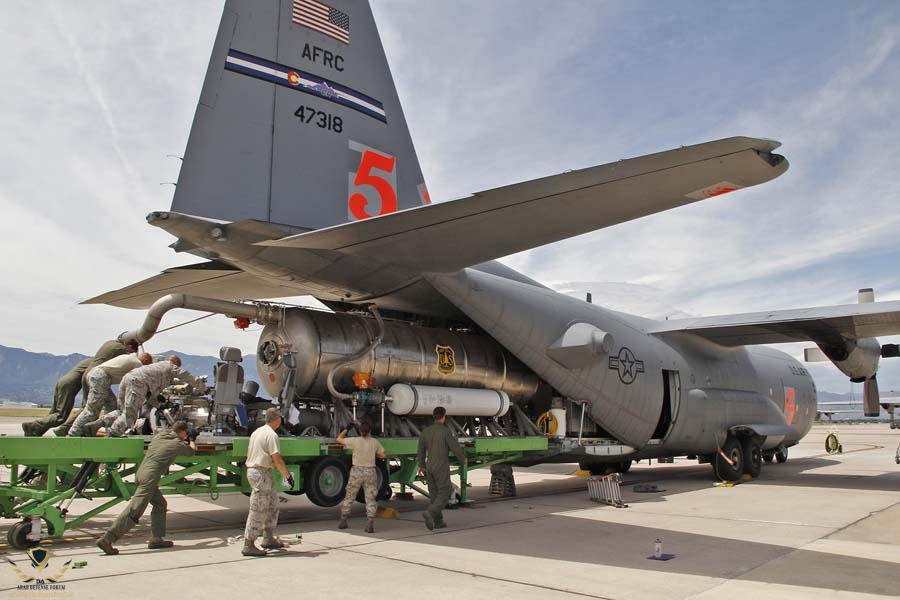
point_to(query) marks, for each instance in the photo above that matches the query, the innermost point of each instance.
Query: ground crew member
(141, 383)
(67, 388)
(64, 394)
(363, 473)
(100, 398)
(437, 442)
(264, 453)
(161, 453)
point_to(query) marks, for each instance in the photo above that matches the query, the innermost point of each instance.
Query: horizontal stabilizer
(821, 324)
(209, 279)
(449, 236)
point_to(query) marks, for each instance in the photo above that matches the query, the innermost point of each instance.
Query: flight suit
(161, 453)
(64, 394)
(436, 441)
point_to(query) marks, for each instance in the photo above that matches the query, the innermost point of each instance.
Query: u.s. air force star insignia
(627, 365)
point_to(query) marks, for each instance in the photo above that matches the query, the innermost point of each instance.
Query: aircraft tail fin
(299, 123)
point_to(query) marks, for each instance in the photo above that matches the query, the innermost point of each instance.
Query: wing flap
(210, 280)
(449, 236)
(799, 325)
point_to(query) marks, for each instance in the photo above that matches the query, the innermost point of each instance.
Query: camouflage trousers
(367, 477)
(100, 399)
(135, 396)
(263, 516)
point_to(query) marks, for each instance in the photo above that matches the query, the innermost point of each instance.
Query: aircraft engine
(315, 342)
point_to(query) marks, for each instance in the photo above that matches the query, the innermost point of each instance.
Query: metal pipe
(261, 313)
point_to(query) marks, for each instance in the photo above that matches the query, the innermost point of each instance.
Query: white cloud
(97, 94)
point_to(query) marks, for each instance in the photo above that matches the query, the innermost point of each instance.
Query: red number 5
(358, 202)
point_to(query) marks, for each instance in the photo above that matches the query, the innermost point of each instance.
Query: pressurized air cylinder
(418, 400)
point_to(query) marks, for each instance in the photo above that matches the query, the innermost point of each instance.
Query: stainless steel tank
(407, 354)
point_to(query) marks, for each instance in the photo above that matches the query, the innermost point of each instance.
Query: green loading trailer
(51, 480)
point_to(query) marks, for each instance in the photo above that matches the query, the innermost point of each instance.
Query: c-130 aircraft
(300, 178)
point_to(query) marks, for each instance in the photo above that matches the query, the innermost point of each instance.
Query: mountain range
(31, 376)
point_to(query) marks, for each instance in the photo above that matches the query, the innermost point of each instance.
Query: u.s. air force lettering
(627, 365)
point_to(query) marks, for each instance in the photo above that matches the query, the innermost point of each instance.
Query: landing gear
(325, 481)
(752, 457)
(768, 456)
(782, 455)
(598, 469)
(732, 468)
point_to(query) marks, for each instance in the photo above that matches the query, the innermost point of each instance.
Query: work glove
(192, 435)
(290, 481)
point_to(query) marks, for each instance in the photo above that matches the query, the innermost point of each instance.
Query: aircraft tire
(752, 457)
(325, 481)
(733, 450)
(623, 467)
(768, 456)
(595, 469)
(782, 455)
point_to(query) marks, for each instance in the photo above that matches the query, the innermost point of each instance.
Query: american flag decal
(322, 18)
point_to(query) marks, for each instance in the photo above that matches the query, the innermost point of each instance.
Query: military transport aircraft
(300, 177)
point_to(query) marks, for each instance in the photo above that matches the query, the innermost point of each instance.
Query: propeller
(858, 359)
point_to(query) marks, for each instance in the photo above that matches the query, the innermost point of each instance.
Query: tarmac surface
(819, 526)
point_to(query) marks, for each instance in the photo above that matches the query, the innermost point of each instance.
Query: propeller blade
(872, 399)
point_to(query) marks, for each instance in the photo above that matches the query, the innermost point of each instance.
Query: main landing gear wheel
(17, 536)
(781, 455)
(768, 456)
(752, 457)
(725, 470)
(325, 481)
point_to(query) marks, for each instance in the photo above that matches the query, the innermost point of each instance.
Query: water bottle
(657, 549)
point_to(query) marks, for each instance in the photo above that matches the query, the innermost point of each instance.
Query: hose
(352, 359)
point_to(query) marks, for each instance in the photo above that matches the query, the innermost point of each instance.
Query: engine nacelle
(407, 354)
(857, 359)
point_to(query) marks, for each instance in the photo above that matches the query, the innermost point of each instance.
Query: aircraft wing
(799, 325)
(209, 279)
(449, 236)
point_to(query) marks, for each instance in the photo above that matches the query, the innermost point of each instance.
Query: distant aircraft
(300, 177)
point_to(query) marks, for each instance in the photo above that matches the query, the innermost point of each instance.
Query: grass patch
(23, 412)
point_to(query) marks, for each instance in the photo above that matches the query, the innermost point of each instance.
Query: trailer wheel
(724, 470)
(782, 455)
(383, 489)
(752, 457)
(17, 536)
(325, 481)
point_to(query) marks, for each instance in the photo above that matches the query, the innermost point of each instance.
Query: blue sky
(97, 94)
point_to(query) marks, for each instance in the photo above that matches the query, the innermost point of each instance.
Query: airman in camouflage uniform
(363, 473)
(143, 383)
